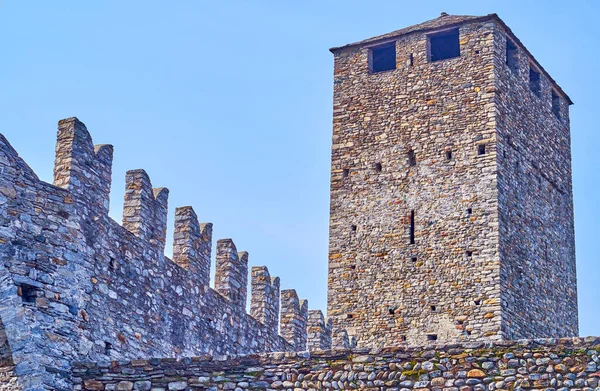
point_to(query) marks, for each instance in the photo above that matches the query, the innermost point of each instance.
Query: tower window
(481, 149)
(107, 348)
(432, 337)
(412, 158)
(349, 316)
(392, 310)
(444, 45)
(511, 55)
(411, 59)
(29, 293)
(345, 173)
(413, 259)
(432, 308)
(383, 58)
(469, 254)
(534, 81)
(378, 167)
(555, 104)
(353, 228)
(448, 155)
(412, 227)
(469, 211)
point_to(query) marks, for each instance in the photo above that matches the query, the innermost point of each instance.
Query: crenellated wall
(76, 285)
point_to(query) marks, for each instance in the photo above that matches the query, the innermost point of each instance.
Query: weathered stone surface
(450, 368)
(76, 285)
(451, 203)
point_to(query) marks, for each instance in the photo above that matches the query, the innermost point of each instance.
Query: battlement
(69, 269)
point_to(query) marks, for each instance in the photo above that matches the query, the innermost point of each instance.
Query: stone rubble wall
(536, 223)
(76, 285)
(383, 289)
(550, 364)
(451, 214)
(318, 332)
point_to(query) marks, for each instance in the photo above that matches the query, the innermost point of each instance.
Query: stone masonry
(76, 285)
(451, 236)
(451, 202)
(557, 365)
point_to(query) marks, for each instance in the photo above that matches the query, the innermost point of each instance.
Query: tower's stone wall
(451, 204)
(536, 229)
(382, 289)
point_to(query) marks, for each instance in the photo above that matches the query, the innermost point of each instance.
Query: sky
(229, 105)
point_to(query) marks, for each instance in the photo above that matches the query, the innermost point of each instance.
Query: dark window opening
(107, 348)
(378, 167)
(432, 337)
(448, 155)
(444, 45)
(412, 227)
(353, 228)
(511, 55)
(432, 308)
(383, 58)
(469, 254)
(349, 316)
(477, 301)
(345, 173)
(555, 104)
(353, 267)
(414, 259)
(469, 211)
(481, 149)
(412, 158)
(534, 81)
(392, 311)
(468, 332)
(113, 263)
(29, 293)
(403, 338)
(411, 60)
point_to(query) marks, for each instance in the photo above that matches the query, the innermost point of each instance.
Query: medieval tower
(451, 199)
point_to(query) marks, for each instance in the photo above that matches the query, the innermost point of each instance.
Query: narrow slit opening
(412, 227)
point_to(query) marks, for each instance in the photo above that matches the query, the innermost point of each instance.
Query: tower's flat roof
(447, 21)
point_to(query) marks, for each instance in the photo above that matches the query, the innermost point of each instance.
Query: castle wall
(537, 243)
(566, 364)
(76, 285)
(383, 290)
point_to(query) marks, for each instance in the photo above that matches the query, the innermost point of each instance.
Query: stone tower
(451, 200)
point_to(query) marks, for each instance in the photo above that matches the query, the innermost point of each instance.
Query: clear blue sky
(228, 104)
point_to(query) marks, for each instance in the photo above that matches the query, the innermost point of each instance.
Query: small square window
(432, 337)
(444, 45)
(345, 173)
(448, 155)
(383, 58)
(481, 149)
(534, 81)
(378, 167)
